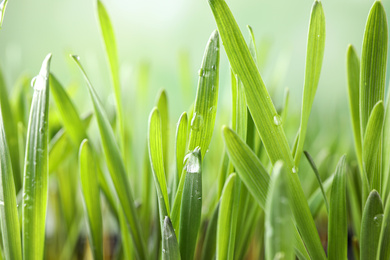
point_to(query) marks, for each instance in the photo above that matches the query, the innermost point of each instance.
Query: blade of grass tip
(316, 200)
(170, 249)
(91, 195)
(314, 56)
(35, 186)
(3, 6)
(353, 77)
(337, 227)
(11, 132)
(384, 238)
(252, 44)
(278, 223)
(210, 241)
(225, 220)
(162, 105)
(371, 226)
(386, 151)
(373, 63)
(205, 110)
(315, 170)
(181, 145)
(116, 168)
(191, 204)
(8, 209)
(112, 56)
(371, 147)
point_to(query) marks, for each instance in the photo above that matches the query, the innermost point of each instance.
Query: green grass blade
(384, 238)
(386, 152)
(316, 200)
(35, 186)
(371, 226)
(353, 77)
(191, 205)
(91, 194)
(162, 105)
(225, 220)
(278, 222)
(170, 248)
(371, 146)
(112, 56)
(9, 219)
(116, 168)
(175, 213)
(203, 119)
(3, 6)
(373, 64)
(210, 240)
(338, 228)
(181, 145)
(286, 99)
(314, 56)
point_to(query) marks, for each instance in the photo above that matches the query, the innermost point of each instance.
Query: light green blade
(191, 205)
(384, 238)
(225, 219)
(371, 226)
(337, 227)
(181, 145)
(162, 105)
(316, 200)
(278, 223)
(175, 213)
(373, 63)
(3, 6)
(170, 247)
(9, 214)
(116, 168)
(203, 119)
(314, 56)
(386, 152)
(91, 194)
(35, 186)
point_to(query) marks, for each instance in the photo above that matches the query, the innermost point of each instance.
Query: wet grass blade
(191, 205)
(170, 246)
(337, 227)
(3, 6)
(116, 168)
(373, 63)
(181, 145)
(278, 223)
(91, 194)
(35, 186)
(205, 110)
(371, 226)
(384, 238)
(9, 219)
(162, 105)
(314, 56)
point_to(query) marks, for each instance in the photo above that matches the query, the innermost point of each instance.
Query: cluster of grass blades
(253, 205)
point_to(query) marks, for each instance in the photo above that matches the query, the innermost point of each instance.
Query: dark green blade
(170, 247)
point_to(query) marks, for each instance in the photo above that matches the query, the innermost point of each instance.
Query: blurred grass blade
(353, 77)
(162, 105)
(278, 223)
(386, 152)
(373, 64)
(314, 167)
(371, 226)
(240, 117)
(91, 194)
(286, 99)
(210, 240)
(116, 168)
(337, 227)
(10, 228)
(316, 200)
(314, 56)
(225, 219)
(371, 147)
(170, 247)
(191, 205)
(181, 145)
(35, 188)
(112, 56)
(203, 119)
(3, 6)
(384, 238)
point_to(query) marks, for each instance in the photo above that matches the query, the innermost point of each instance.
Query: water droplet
(279, 256)
(33, 81)
(38, 82)
(196, 122)
(213, 88)
(77, 57)
(378, 220)
(200, 72)
(277, 120)
(294, 169)
(199, 198)
(213, 67)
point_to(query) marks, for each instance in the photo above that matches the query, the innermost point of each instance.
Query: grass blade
(203, 120)
(116, 168)
(191, 205)
(3, 6)
(316, 200)
(181, 145)
(91, 194)
(338, 228)
(386, 152)
(35, 186)
(162, 105)
(314, 56)
(384, 238)
(371, 226)
(170, 246)
(210, 241)
(278, 222)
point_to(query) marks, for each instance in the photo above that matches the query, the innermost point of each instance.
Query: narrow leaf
(181, 145)
(162, 105)
(170, 248)
(384, 238)
(316, 200)
(210, 241)
(3, 6)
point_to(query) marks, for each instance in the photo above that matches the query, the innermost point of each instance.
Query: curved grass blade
(3, 6)
(116, 168)
(373, 64)
(278, 223)
(91, 194)
(181, 145)
(210, 241)
(314, 56)
(35, 186)
(316, 200)
(338, 228)
(170, 248)
(176, 208)
(9, 219)
(353, 77)
(112, 56)
(162, 105)
(191, 205)
(384, 238)
(371, 226)
(225, 220)
(205, 110)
